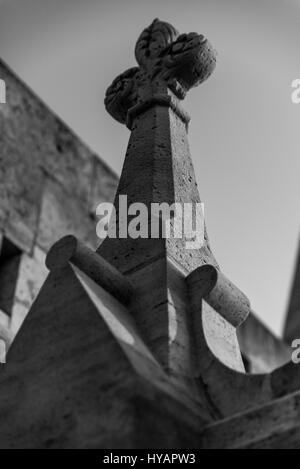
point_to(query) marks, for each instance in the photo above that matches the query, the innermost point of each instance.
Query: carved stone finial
(166, 60)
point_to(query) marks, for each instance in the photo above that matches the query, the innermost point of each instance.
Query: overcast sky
(244, 134)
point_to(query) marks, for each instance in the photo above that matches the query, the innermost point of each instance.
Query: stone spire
(158, 166)
(158, 169)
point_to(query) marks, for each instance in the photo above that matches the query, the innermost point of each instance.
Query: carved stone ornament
(166, 60)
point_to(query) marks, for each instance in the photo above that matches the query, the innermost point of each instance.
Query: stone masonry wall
(50, 184)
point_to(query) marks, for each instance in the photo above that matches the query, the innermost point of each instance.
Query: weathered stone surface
(32, 274)
(103, 185)
(264, 352)
(70, 250)
(87, 400)
(19, 314)
(158, 152)
(261, 350)
(62, 214)
(22, 186)
(50, 183)
(160, 309)
(273, 426)
(46, 142)
(65, 359)
(223, 296)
